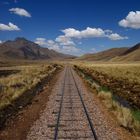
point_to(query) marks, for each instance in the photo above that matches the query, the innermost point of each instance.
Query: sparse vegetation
(130, 72)
(122, 79)
(128, 118)
(125, 116)
(14, 85)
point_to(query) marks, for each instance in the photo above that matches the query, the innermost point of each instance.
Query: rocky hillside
(22, 48)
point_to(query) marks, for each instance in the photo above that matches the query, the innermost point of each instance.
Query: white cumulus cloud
(88, 32)
(67, 42)
(41, 41)
(0, 41)
(70, 49)
(91, 33)
(50, 44)
(108, 31)
(20, 12)
(9, 27)
(47, 43)
(63, 45)
(63, 40)
(53, 45)
(115, 36)
(132, 20)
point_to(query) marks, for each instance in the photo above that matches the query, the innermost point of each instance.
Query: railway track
(73, 120)
(72, 113)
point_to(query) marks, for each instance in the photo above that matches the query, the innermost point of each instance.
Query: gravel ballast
(73, 123)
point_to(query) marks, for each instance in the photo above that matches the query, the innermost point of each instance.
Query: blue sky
(72, 26)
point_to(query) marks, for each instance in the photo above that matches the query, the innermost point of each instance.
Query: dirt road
(73, 113)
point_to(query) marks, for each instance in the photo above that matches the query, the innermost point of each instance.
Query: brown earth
(17, 127)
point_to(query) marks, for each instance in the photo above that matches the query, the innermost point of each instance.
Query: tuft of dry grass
(126, 117)
(131, 72)
(15, 85)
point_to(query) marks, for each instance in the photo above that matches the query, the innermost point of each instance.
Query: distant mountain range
(21, 49)
(115, 54)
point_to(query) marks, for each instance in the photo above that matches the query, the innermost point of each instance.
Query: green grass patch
(105, 89)
(136, 114)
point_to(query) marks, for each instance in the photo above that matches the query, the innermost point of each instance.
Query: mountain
(22, 48)
(104, 55)
(132, 54)
(115, 54)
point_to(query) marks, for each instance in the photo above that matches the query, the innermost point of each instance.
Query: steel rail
(85, 109)
(60, 108)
